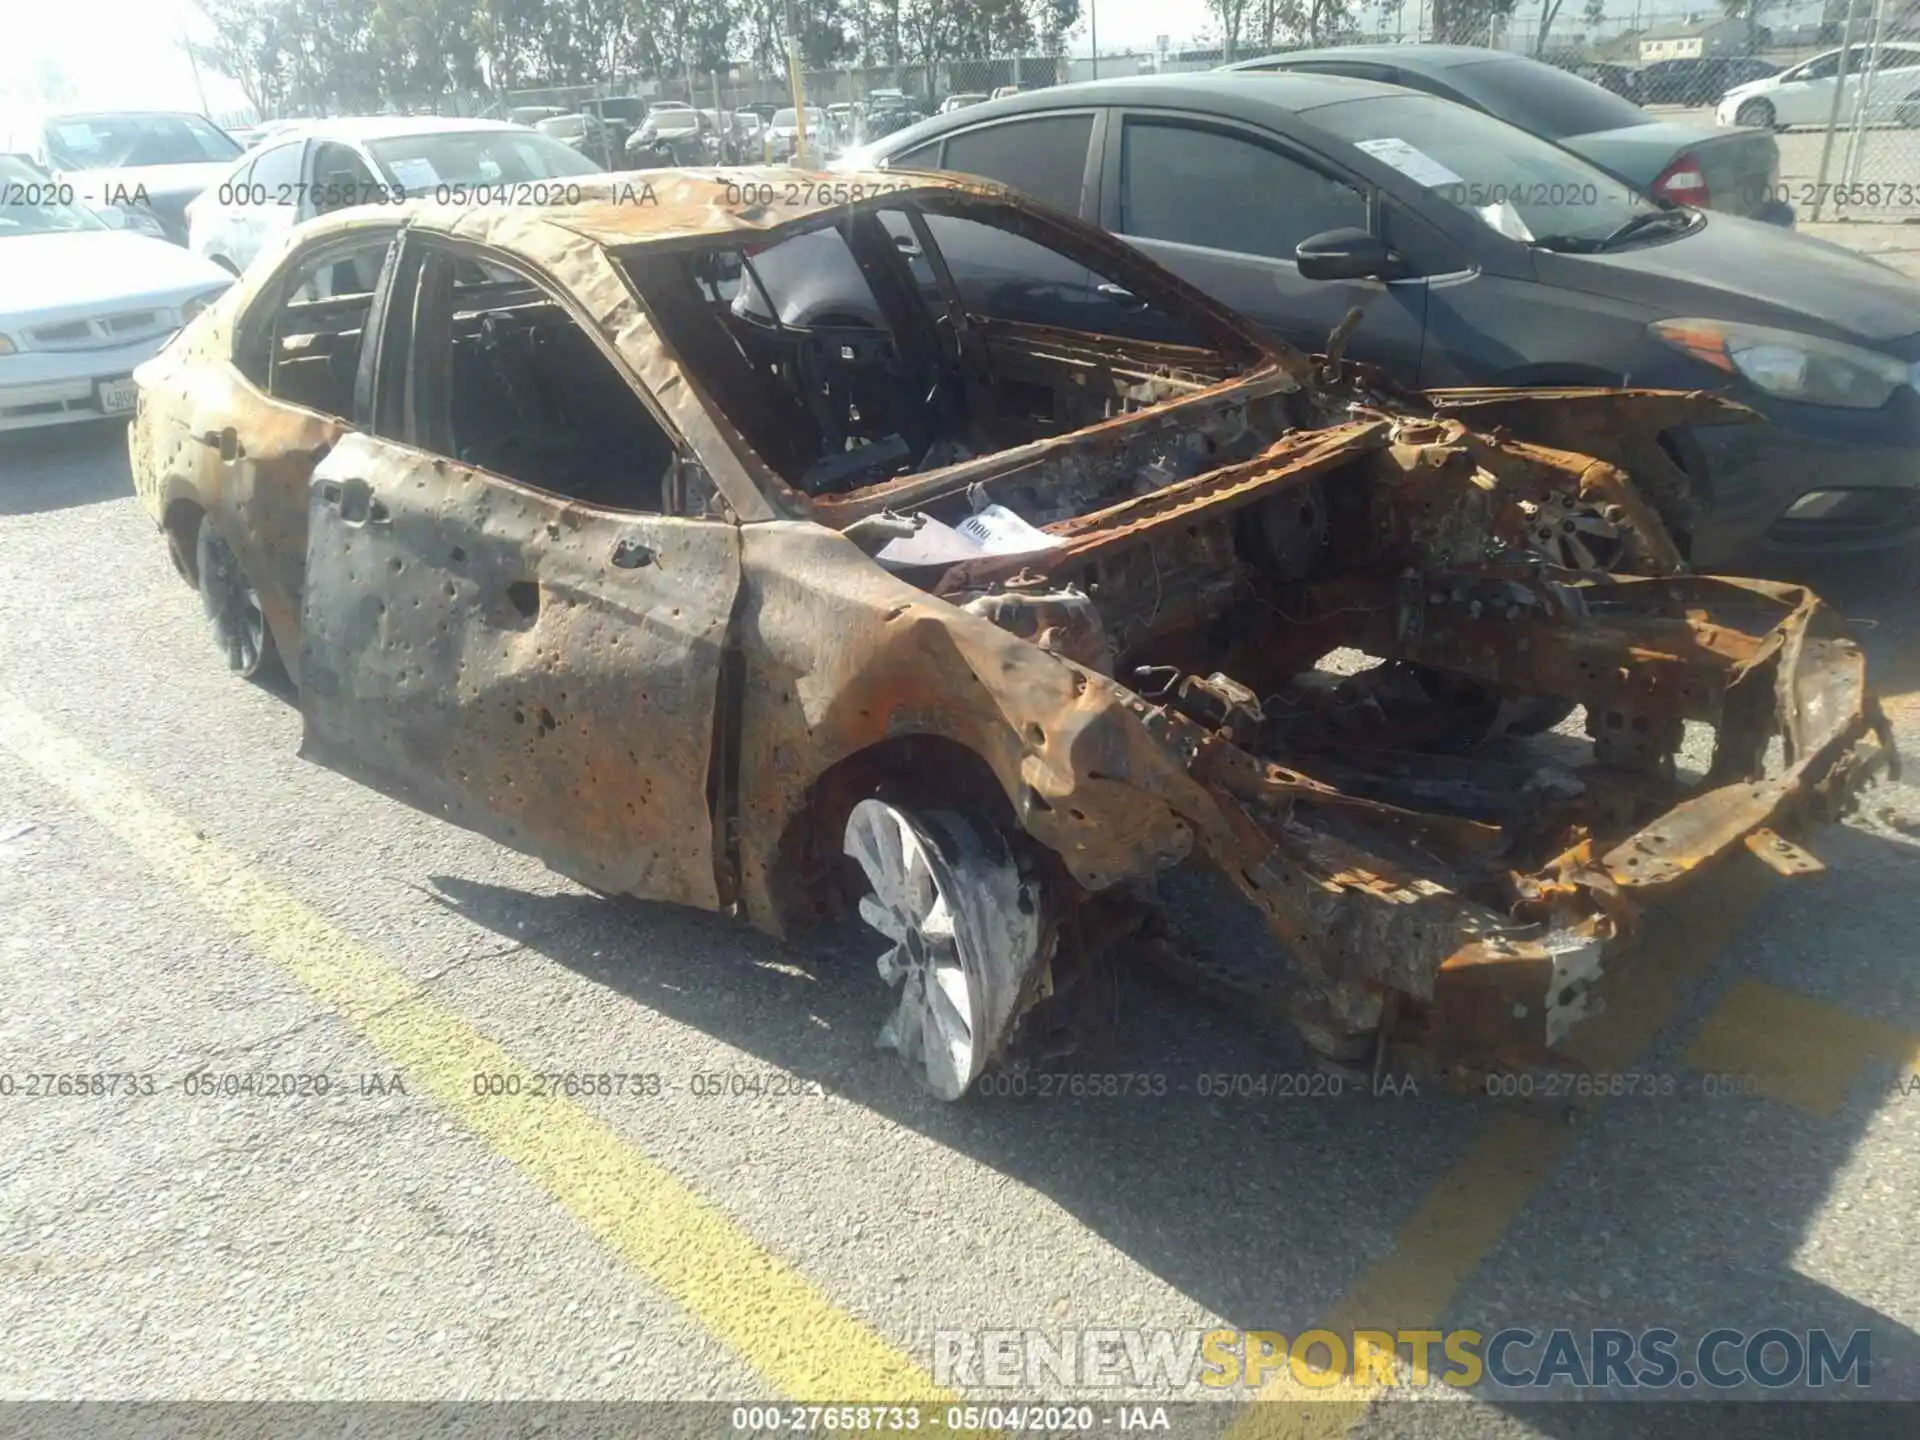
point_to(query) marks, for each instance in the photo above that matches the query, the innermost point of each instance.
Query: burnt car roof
(647, 207)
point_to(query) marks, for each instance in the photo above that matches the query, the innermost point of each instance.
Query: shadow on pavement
(1686, 1213)
(62, 466)
(1690, 1213)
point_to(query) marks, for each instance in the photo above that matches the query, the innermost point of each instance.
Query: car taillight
(1683, 182)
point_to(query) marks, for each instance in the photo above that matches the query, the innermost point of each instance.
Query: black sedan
(1478, 254)
(1690, 161)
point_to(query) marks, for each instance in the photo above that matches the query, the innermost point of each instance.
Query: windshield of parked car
(113, 142)
(420, 163)
(34, 204)
(783, 119)
(564, 127)
(1545, 101)
(1515, 183)
(673, 122)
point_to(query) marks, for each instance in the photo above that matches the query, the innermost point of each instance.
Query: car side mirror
(1345, 254)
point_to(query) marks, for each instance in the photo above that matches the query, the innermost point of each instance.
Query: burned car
(975, 626)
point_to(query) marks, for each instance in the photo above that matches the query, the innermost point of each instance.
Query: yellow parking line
(752, 1300)
(1470, 1208)
(1801, 1052)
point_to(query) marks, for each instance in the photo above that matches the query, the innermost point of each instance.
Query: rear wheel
(233, 608)
(1757, 113)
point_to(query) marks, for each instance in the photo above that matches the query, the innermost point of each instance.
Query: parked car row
(1476, 254)
(1492, 220)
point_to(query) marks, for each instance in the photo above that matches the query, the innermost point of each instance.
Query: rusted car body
(705, 647)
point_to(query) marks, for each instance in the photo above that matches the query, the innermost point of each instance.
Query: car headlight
(1789, 365)
(198, 303)
(7, 347)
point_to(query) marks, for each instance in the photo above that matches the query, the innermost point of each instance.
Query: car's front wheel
(1757, 113)
(233, 608)
(964, 929)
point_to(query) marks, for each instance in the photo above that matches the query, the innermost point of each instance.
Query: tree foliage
(1467, 22)
(336, 56)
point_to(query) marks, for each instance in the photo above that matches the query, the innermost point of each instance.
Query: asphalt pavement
(303, 1187)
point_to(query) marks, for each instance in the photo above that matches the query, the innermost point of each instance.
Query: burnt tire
(232, 606)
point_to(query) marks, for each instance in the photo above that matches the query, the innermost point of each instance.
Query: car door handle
(226, 441)
(354, 500)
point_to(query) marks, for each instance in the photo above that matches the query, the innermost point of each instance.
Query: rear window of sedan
(1546, 101)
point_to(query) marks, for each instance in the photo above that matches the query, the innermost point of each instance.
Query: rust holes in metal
(524, 597)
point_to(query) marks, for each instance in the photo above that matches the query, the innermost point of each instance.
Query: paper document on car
(995, 530)
(416, 176)
(1410, 161)
(1001, 532)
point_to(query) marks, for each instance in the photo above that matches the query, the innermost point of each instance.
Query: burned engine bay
(1206, 528)
(1429, 867)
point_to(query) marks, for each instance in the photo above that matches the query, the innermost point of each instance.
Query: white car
(1804, 94)
(783, 134)
(327, 165)
(81, 303)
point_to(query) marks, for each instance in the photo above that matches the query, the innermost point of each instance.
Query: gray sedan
(1720, 167)
(1477, 254)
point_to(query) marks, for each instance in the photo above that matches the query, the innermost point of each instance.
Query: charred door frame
(513, 660)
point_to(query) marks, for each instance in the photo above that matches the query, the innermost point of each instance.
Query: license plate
(115, 397)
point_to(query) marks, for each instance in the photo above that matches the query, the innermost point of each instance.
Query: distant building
(1694, 40)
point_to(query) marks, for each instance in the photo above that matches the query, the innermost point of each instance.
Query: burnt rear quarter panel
(207, 438)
